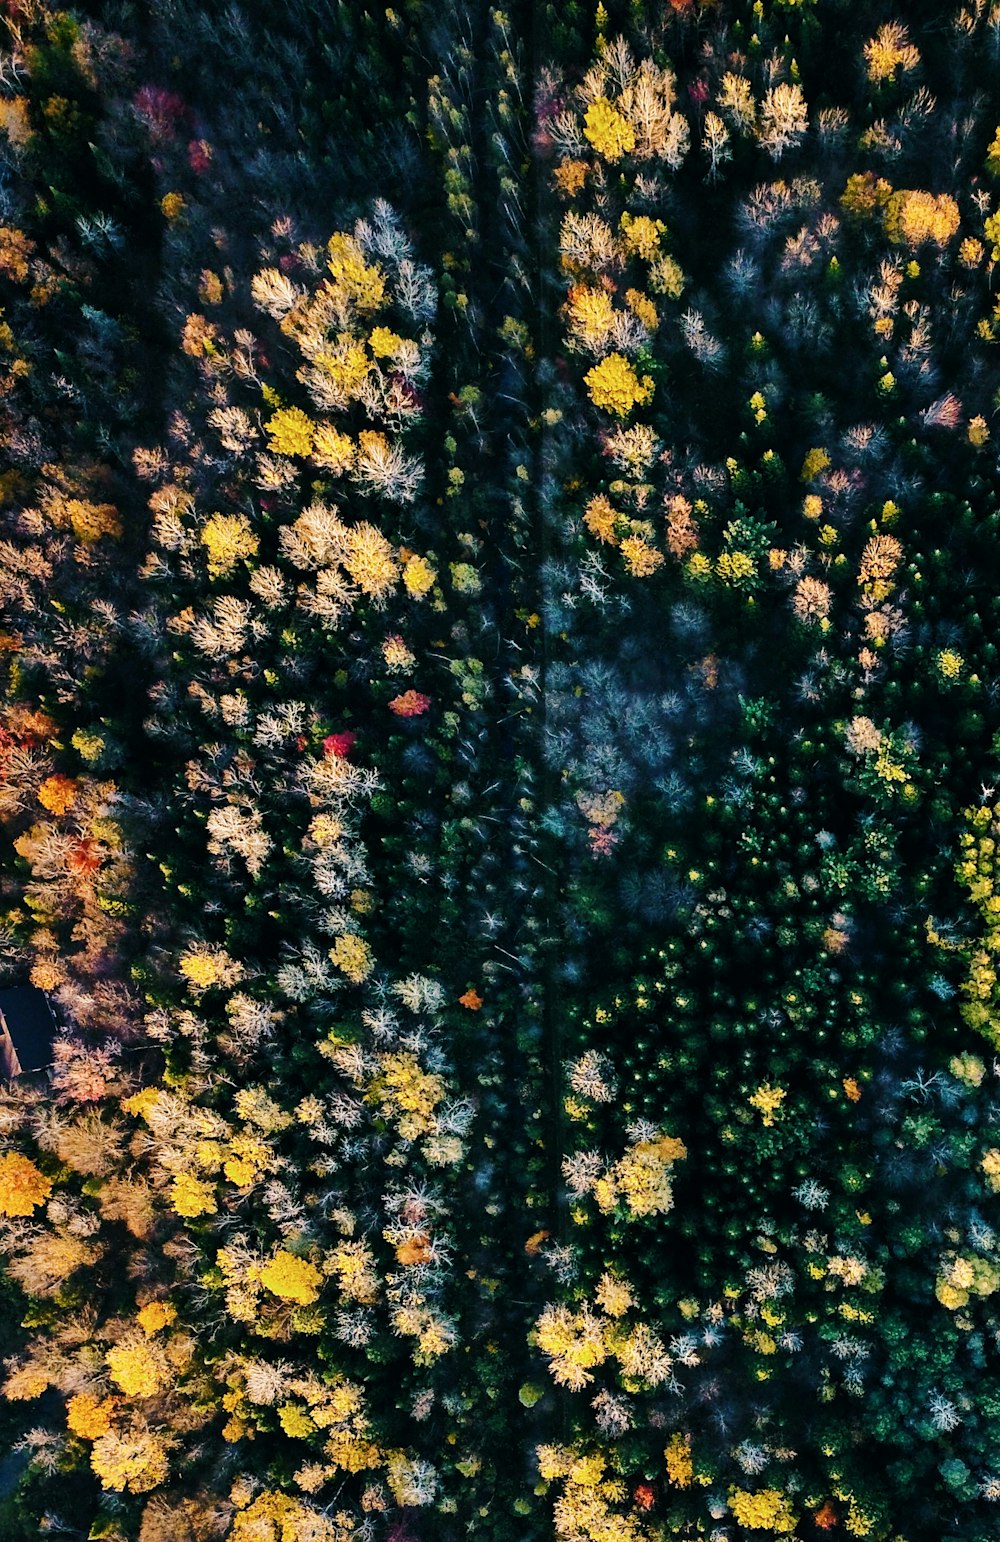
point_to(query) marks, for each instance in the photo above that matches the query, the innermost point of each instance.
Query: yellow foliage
(816, 460)
(735, 567)
(880, 559)
(345, 366)
(407, 1092)
(249, 1157)
(993, 156)
(227, 538)
(205, 965)
(353, 1263)
(291, 1278)
(553, 1462)
(296, 1421)
(583, 1511)
(611, 135)
(254, 1105)
(90, 1417)
(858, 1522)
(290, 432)
(600, 518)
(384, 343)
(369, 559)
(865, 193)
(22, 1186)
(642, 308)
(331, 449)
(133, 1369)
(353, 957)
(142, 1102)
(888, 51)
(680, 1468)
(642, 1176)
(156, 1315)
(591, 316)
(574, 1343)
(613, 1295)
(971, 252)
(642, 559)
(191, 1196)
(641, 235)
(57, 793)
(614, 386)
(767, 1100)
(977, 871)
(949, 664)
(396, 654)
(767, 1510)
(913, 217)
(666, 276)
(362, 283)
(990, 1165)
(135, 1460)
(418, 577)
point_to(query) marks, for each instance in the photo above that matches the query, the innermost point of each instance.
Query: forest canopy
(500, 771)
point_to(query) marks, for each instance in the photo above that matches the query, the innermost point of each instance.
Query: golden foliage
(641, 558)
(291, 1278)
(418, 576)
(227, 538)
(15, 250)
(353, 957)
(135, 1460)
(865, 193)
(680, 1468)
(23, 1187)
(766, 1510)
(274, 1517)
(591, 317)
(333, 450)
(912, 217)
(888, 51)
(190, 1196)
(601, 518)
(290, 432)
(408, 1093)
(611, 135)
(614, 386)
(641, 235)
(570, 176)
(90, 1417)
(362, 283)
(134, 1369)
(369, 559)
(58, 793)
(156, 1315)
(47, 1263)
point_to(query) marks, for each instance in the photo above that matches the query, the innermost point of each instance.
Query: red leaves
(339, 745)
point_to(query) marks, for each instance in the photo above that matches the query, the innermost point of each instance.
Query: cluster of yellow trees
(978, 871)
(173, 1162)
(619, 129)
